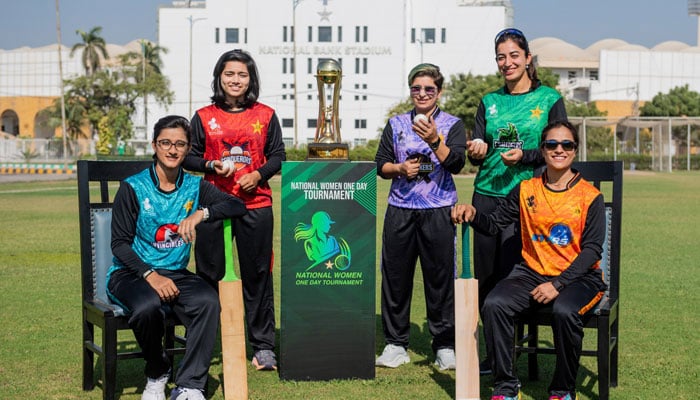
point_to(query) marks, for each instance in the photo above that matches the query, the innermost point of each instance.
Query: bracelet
(209, 165)
(145, 274)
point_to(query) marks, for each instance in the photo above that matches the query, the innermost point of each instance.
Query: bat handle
(466, 247)
(230, 272)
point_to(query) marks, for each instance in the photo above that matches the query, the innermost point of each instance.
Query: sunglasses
(508, 31)
(429, 90)
(567, 145)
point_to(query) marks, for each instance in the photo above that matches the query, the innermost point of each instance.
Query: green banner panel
(328, 263)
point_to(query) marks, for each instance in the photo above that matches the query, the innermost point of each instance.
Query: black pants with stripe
(253, 235)
(511, 298)
(409, 235)
(197, 306)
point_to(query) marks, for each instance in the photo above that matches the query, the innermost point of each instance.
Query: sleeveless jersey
(157, 241)
(512, 121)
(241, 138)
(434, 187)
(550, 247)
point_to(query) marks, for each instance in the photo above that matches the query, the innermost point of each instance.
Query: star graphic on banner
(188, 205)
(329, 265)
(257, 127)
(536, 113)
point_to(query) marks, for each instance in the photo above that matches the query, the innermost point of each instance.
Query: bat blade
(233, 351)
(467, 328)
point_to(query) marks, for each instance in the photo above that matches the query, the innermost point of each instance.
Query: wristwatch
(434, 146)
(205, 211)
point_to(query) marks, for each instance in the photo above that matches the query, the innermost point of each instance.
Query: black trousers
(409, 235)
(511, 298)
(197, 307)
(494, 256)
(253, 235)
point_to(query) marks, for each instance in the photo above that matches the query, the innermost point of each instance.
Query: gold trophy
(327, 144)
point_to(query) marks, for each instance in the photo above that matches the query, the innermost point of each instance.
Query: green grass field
(40, 337)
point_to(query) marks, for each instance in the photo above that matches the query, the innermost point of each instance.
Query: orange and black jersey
(562, 231)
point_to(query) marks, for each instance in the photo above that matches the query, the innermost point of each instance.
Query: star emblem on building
(325, 14)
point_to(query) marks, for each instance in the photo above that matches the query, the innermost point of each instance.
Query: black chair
(96, 258)
(606, 176)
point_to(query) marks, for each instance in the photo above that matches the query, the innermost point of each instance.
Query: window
(284, 33)
(245, 35)
(291, 65)
(311, 34)
(572, 74)
(413, 35)
(284, 65)
(216, 35)
(340, 34)
(325, 34)
(309, 66)
(443, 35)
(360, 124)
(428, 35)
(287, 123)
(231, 35)
(311, 123)
(361, 33)
(593, 75)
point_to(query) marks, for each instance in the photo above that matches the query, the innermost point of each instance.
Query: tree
(92, 45)
(144, 69)
(679, 101)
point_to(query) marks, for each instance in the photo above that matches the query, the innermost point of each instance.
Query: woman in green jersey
(505, 146)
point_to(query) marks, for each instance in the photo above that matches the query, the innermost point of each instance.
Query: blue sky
(33, 22)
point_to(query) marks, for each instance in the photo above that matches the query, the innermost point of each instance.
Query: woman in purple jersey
(419, 151)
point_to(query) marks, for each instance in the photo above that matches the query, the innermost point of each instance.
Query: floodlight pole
(63, 100)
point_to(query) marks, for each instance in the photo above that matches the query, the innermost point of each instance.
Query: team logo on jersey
(425, 168)
(508, 138)
(493, 111)
(238, 153)
(214, 126)
(166, 237)
(147, 206)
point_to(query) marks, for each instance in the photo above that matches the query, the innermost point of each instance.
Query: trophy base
(328, 152)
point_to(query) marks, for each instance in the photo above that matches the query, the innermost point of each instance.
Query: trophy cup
(327, 144)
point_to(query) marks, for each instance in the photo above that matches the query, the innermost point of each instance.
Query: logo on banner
(329, 257)
(319, 246)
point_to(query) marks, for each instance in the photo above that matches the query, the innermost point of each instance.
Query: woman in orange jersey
(562, 223)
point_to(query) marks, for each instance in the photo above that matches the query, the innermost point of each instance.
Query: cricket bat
(233, 351)
(466, 327)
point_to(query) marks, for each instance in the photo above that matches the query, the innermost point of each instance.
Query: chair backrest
(95, 217)
(607, 177)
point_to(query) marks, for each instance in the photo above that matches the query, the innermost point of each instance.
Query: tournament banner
(328, 266)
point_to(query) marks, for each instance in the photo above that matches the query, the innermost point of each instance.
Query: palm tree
(93, 45)
(149, 59)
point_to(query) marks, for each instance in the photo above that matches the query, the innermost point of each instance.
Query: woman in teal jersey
(505, 146)
(154, 217)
